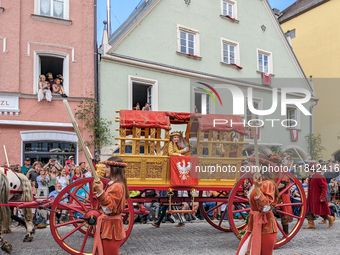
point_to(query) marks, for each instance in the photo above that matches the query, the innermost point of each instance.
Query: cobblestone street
(193, 238)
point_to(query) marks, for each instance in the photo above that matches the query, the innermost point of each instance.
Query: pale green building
(166, 46)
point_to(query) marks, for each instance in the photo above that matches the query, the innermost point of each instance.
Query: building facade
(161, 52)
(39, 37)
(316, 46)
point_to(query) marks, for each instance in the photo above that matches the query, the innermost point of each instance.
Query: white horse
(14, 187)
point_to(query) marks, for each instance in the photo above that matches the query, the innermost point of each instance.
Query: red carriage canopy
(157, 119)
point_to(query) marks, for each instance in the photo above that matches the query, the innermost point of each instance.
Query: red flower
(230, 17)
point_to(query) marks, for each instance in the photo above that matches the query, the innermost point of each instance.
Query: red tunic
(317, 189)
(112, 230)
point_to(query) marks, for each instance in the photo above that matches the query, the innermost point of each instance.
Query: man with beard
(64, 200)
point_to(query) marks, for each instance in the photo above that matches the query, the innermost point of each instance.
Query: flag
(252, 132)
(294, 134)
(183, 170)
(266, 79)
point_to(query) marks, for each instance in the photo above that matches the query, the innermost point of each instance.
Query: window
(142, 91)
(229, 9)
(291, 115)
(249, 116)
(188, 41)
(202, 103)
(264, 62)
(230, 52)
(52, 8)
(49, 62)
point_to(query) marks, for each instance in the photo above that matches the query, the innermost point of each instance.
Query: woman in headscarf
(178, 146)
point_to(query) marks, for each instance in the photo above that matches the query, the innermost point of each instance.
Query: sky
(121, 10)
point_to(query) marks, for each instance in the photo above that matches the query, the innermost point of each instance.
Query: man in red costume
(317, 198)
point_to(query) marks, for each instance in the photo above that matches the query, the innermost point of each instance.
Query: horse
(14, 187)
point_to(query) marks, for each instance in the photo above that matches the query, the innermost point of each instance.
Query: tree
(277, 150)
(315, 147)
(99, 128)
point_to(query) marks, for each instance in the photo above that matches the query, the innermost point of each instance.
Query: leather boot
(285, 229)
(330, 220)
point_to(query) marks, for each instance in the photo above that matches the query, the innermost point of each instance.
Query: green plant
(277, 150)
(315, 147)
(98, 128)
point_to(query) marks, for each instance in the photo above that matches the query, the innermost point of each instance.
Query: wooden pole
(81, 141)
(255, 145)
(6, 156)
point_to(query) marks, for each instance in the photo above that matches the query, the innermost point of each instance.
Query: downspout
(311, 127)
(95, 61)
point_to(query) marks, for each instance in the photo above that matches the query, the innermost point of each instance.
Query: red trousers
(267, 243)
(111, 247)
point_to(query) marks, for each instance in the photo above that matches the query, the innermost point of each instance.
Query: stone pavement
(193, 238)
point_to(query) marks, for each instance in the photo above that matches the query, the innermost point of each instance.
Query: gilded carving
(154, 169)
(133, 169)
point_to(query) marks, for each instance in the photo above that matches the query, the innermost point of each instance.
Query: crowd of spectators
(49, 86)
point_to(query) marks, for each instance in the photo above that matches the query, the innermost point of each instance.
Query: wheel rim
(299, 216)
(89, 207)
(221, 224)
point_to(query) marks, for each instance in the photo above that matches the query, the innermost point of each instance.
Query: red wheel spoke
(279, 180)
(241, 210)
(76, 199)
(86, 190)
(85, 238)
(287, 188)
(69, 222)
(72, 208)
(74, 230)
(86, 200)
(288, 214)
(279, 227)
(223, 215)
(240, 199)
(289, 204)
(214, 208)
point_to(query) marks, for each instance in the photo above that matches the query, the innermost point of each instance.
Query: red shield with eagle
(183, 170)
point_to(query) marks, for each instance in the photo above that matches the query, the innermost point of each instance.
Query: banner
(183, 170)
(294, 134)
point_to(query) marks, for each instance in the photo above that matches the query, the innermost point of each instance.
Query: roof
(131, 20)
(299, 7)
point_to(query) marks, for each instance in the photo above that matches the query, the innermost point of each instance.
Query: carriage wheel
(221, 224)
(238, 205)
(82, 203)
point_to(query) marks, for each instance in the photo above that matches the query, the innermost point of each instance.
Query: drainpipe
(311, 126)
(95, 58)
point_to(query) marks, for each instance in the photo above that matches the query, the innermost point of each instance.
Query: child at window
(44, 89)
(58, 88)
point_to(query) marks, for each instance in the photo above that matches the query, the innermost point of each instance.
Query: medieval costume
(178, 149)
(317, 199)
(285, 197)
(110, 230)
(262, 229)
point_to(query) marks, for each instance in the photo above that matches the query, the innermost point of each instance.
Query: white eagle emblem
(184, 170)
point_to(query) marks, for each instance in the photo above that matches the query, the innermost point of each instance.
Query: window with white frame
(56, 63)
(264, 62)
(53, 8)
(291, 116)
(202, 103)
(229, 8)
(249, 116)
(230, 52)
(188, 41)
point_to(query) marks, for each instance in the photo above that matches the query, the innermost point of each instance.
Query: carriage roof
(162, 119)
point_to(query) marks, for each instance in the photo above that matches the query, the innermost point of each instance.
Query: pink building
(37, 37)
